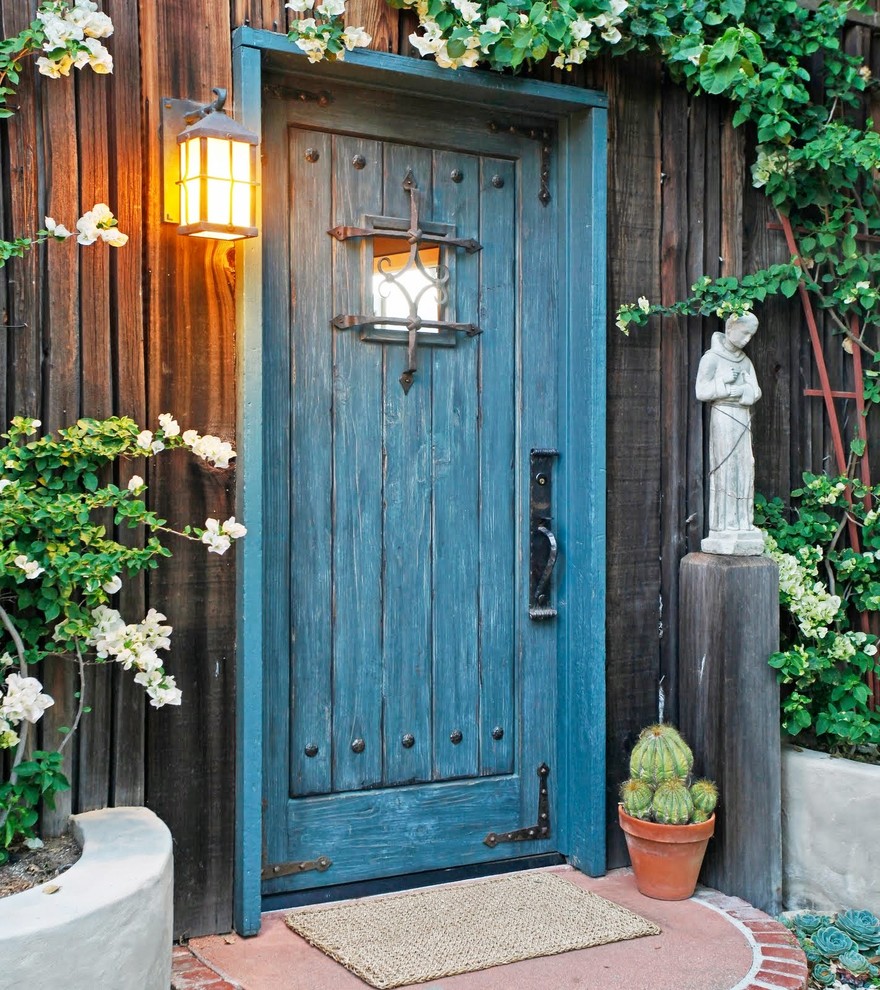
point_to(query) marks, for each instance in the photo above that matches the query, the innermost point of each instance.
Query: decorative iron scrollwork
(435, 281)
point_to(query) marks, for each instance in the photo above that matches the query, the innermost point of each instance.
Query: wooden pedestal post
(729, 713)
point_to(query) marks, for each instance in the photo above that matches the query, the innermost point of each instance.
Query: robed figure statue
(726, 378)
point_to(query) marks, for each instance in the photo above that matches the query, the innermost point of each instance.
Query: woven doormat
(398, 939)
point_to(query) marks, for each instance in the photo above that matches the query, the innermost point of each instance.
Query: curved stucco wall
(830, 812)
(109, 924)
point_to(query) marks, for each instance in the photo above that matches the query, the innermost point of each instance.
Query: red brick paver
(779, 962)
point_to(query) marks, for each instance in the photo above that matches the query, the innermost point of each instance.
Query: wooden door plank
(127, 314)
(634, 421)
(378, 18)
(25, 312)
(279, 548)
(191, 345)
(357, 487)
(538, 251)
(61, 399)
(407, 522)
(498, 343)
(310, 461)
(390, 837)
(97, 400)
(456, 481)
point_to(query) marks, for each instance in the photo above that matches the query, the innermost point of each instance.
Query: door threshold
(409, 881)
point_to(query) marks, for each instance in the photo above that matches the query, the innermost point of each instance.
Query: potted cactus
(667, 819)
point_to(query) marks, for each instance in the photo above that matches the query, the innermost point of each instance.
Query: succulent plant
(659, 787)
(831, 942)
(862, 927)
(704, 794)
(823, 974)
(672, 803)
(636, 797)
(807, 923)
(660, 754)
(854, 962)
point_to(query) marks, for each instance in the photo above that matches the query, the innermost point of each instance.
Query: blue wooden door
(409, 699)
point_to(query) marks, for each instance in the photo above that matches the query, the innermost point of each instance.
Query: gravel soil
(31, 867)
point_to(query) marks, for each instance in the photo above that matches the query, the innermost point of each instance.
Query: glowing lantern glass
(218, 169)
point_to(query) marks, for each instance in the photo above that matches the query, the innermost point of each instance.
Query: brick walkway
(742, 949)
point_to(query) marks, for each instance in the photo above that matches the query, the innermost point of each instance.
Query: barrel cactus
(659, 788)
(672, 804)
(660, 754)
(636, 797)
(704, 794)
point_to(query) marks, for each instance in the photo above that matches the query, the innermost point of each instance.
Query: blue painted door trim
(580, 753)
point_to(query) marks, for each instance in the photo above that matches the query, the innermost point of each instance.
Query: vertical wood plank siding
(149, 329)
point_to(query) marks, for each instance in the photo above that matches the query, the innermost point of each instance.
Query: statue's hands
(735, 391)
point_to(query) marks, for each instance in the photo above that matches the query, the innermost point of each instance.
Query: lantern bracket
(214, 106)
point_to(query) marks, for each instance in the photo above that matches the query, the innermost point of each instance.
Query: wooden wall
(149, 329)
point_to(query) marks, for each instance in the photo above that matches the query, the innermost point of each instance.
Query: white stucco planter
(830, 812)
(109, 924)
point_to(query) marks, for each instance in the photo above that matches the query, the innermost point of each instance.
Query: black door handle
(543, 546)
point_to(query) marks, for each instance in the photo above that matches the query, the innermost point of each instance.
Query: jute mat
(398, 939)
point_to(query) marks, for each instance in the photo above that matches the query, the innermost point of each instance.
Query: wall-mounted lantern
(210, 170)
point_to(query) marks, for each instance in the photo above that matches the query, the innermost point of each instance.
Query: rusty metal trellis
(829, 395)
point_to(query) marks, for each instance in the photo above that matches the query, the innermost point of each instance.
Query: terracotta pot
(666, 859)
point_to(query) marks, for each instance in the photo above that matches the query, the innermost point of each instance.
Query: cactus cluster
(659, 788)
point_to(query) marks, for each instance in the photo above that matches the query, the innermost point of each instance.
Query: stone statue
(726, 378)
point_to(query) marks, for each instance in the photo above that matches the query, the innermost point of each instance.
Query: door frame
(580, 165)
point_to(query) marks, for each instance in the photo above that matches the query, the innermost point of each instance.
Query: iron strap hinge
(320, 864)
(543, 134)
(534, 832)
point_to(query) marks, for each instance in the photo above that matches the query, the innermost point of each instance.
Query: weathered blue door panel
(407, 698)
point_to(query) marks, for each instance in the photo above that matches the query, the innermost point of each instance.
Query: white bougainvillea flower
(644, 305)
(209, 448)
(469, 10)
(30, 567)
(494, 25)
(90, 20)
(135, 482)
(170, 426)
(234, 530)
(4, 482)
(55, 68)
(156, 446)
(299, 6)
(96, 56)
(216, 541)
(144, 439)
(58, 30)
(97, 221)
(57, 230)
(355, 37)
(164, 693)
(24, 700)
(114, 237)
(113, 585)
(580, 28)
(331, 8)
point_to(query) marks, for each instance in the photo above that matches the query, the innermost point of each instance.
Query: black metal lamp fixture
(216, 174)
